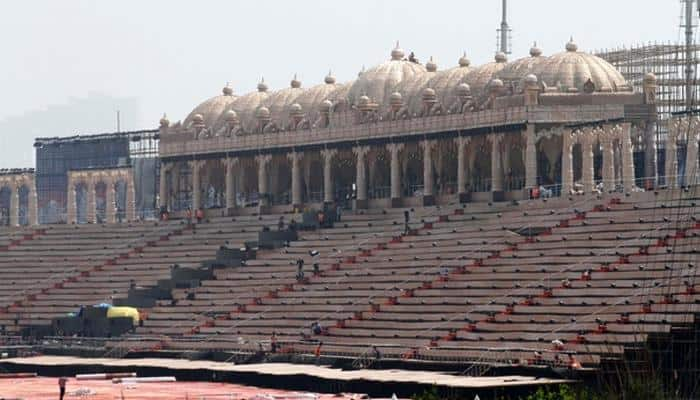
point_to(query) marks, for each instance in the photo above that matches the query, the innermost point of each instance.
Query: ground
(47, 388)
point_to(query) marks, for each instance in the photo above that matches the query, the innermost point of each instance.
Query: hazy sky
(170, 55)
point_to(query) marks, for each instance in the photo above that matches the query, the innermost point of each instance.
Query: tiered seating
(58, 268)
(534, 282)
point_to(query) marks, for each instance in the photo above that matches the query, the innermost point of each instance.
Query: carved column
(567, 171)
(530, 157)
(71, 206)
(395, 151)
(462, 143)
(428, 197)
(263, 160)
(671, 167)
(496, 166)
(110, 200)
(295, 158)
(361, 175)
(32, 207)
(230, 166)
(691, 158)
(14, 204)
(130, 197)
(91, 212)
(328, 155)
(627, 156)
(606, 142)
(196, 167)
(588, 138)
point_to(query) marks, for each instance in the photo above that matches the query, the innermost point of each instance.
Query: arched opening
(182, 188)
(344, 173)
(445, 160)
(23, 205)
(214, 185)
(100, 202)
(81, 203)
(5, 201)
(481, 172)
(314, 180)
(514, 164)
(248, 183)
(281, 180)
(412, 176)
(120, 200)
(379, 167)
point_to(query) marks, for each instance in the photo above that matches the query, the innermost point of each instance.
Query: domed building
(405, 133)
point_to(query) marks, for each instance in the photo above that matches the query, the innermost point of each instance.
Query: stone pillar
(567, 171)
(530, 157)
(462, 143)
(164, 190)
(328, 155)
(394, 152)
(196, 167)
(14, 204)
(671, 167)
(263, 160)
(110, 201)
(295, 158)
(428, 196)
(606, 142)
(691, 157)
(230, 166)
(496, 167)
(32, 207)
(71, 206)
(361, 176)
(650, 161)
(130, 198)
(627, 156)
(588, 139)
(91, 212)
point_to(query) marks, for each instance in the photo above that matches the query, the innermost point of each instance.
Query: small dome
(531, 79)
(295, 109)
(464, 61)
(198, 119)
(295, 83)
(396, 99)
(496, 84)
(227, 90)
(431, 66)
(500, 57)
(211, 108)
(649, 78)
(231, 116)
(535, 51)
(329, 79)
(325, 106)
(463, 90)
(262, 113)
(363, 101)
(262, 86)
(429, 95)
(164, 122)
(571, 46)
(397, 53)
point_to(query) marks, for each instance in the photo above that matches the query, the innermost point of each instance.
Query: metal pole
(504, 28)
(689, 70)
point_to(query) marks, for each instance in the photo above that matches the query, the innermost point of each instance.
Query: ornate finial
(464, 61)
(329, 79)
(397, 53)
(571, 45)
(501, 57)
(262, 86)
(164, 122)
(227, 90)
(535, 51)
(295, 83)
(431, 66)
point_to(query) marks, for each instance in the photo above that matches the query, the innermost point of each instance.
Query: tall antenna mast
(689, 55)
(504, 31)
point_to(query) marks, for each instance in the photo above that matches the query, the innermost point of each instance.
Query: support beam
(196, 168)
(110, 200)
(394, 152)
(230, 164)
(296, 157)
(671, 167)
(496, 167)
(691, 157)
(327, 155)
(627, 156)
(567, 170)
(587, 139)
(428, 193)
(14, 205)
(361, 176)
(263, 192)
(606, 142)
(530, 156)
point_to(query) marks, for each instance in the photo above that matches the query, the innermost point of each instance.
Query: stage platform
(380, 383)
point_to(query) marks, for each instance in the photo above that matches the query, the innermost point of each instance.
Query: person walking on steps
(62, 387)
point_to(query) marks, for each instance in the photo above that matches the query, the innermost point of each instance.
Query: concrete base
(498, 195)
(428, 201)
(361, 204)
(465, 197)
(396, 202)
